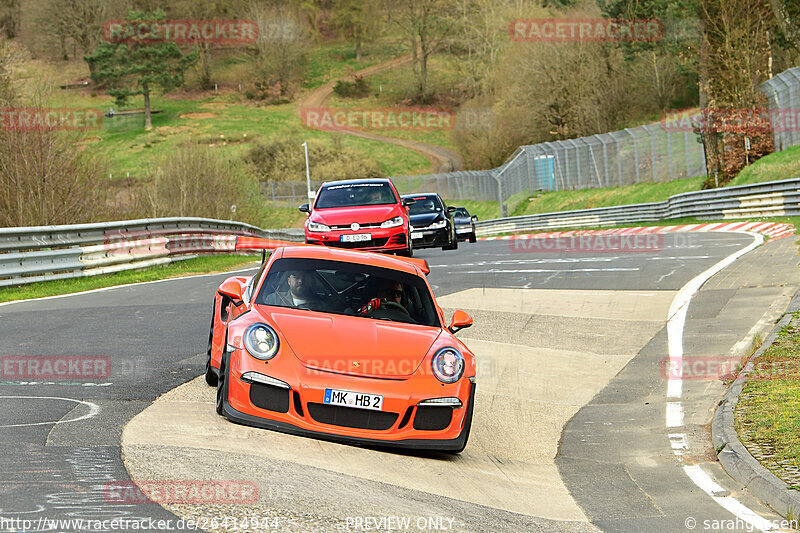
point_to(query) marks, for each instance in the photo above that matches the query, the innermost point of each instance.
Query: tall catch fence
(651, 153)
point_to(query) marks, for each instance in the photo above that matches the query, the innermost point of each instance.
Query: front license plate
(416, 234)
(464, 230)
(348, 398)
(357, 237)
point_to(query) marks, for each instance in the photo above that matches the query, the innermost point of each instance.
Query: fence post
(686, 152)
(652, 152)
(669, 154)
(272, 186)
(635, 154)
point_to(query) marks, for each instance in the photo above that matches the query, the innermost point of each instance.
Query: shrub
(358, 88)
(196, 181)
(284, 160)
(47, 178)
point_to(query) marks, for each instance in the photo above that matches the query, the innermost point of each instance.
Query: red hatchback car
(365, 214)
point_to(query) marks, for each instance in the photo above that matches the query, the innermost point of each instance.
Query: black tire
(408, 252)
(222, 387)
(464, 433)
(211, 377)
(453, 245)
(473, 238)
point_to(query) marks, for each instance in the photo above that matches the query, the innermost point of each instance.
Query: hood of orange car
(356, 346)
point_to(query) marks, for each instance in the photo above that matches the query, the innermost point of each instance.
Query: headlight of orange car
(448, 365)
(261, 341)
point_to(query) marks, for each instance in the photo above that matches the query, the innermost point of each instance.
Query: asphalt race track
(569, 431)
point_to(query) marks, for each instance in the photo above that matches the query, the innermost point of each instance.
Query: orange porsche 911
(342, 345)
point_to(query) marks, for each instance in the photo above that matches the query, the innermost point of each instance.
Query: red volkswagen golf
(365, 214)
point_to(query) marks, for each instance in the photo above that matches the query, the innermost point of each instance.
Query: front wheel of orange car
(464, 432)
(222, 387)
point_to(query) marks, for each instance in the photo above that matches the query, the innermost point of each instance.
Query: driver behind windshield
(389, 295)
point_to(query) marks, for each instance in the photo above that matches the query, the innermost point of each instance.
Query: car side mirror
(459, 321)
(451, 210)
(304, 208)
(407, 202)
(474, 218)
(232, 288)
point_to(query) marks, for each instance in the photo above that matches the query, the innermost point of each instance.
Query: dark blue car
(465, 224)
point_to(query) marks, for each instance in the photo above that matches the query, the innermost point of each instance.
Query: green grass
(397, 85)
(768, 412)
(198, 265)
(484, 210)
(776, 166)
(591, 198)
(330, 61)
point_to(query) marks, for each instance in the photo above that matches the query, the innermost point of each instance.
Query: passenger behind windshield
(348, 289)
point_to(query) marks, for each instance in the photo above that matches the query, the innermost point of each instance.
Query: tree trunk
(358, 48)
(148, 119)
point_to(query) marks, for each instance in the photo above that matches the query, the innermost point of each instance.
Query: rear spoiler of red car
(257, 243)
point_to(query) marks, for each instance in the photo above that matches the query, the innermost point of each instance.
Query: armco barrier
(45, 253)
(769, 199)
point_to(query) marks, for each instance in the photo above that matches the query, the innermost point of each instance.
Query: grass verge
(199, 265)
(591, 198)
(768, 412)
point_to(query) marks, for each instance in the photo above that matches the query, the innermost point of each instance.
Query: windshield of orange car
(355, 194)
(342, 288)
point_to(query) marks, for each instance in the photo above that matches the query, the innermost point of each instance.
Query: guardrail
(769, 199)
(44, 253)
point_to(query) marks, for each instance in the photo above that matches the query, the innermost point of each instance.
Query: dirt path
(442, 159)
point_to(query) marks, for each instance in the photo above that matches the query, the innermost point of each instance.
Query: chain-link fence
(783, 95)
(657, 152)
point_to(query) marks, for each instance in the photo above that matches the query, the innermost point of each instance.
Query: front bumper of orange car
(273, 396)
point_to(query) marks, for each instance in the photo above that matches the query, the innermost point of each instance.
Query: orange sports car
(342, 345)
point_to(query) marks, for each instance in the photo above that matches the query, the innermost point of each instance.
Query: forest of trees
(713, 54)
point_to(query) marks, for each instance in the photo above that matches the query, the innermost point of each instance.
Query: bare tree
(479, 24)
(46, 178)
(735, 51)
(425, 25)
(11, 55)
(282, 44)
(10, 17)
